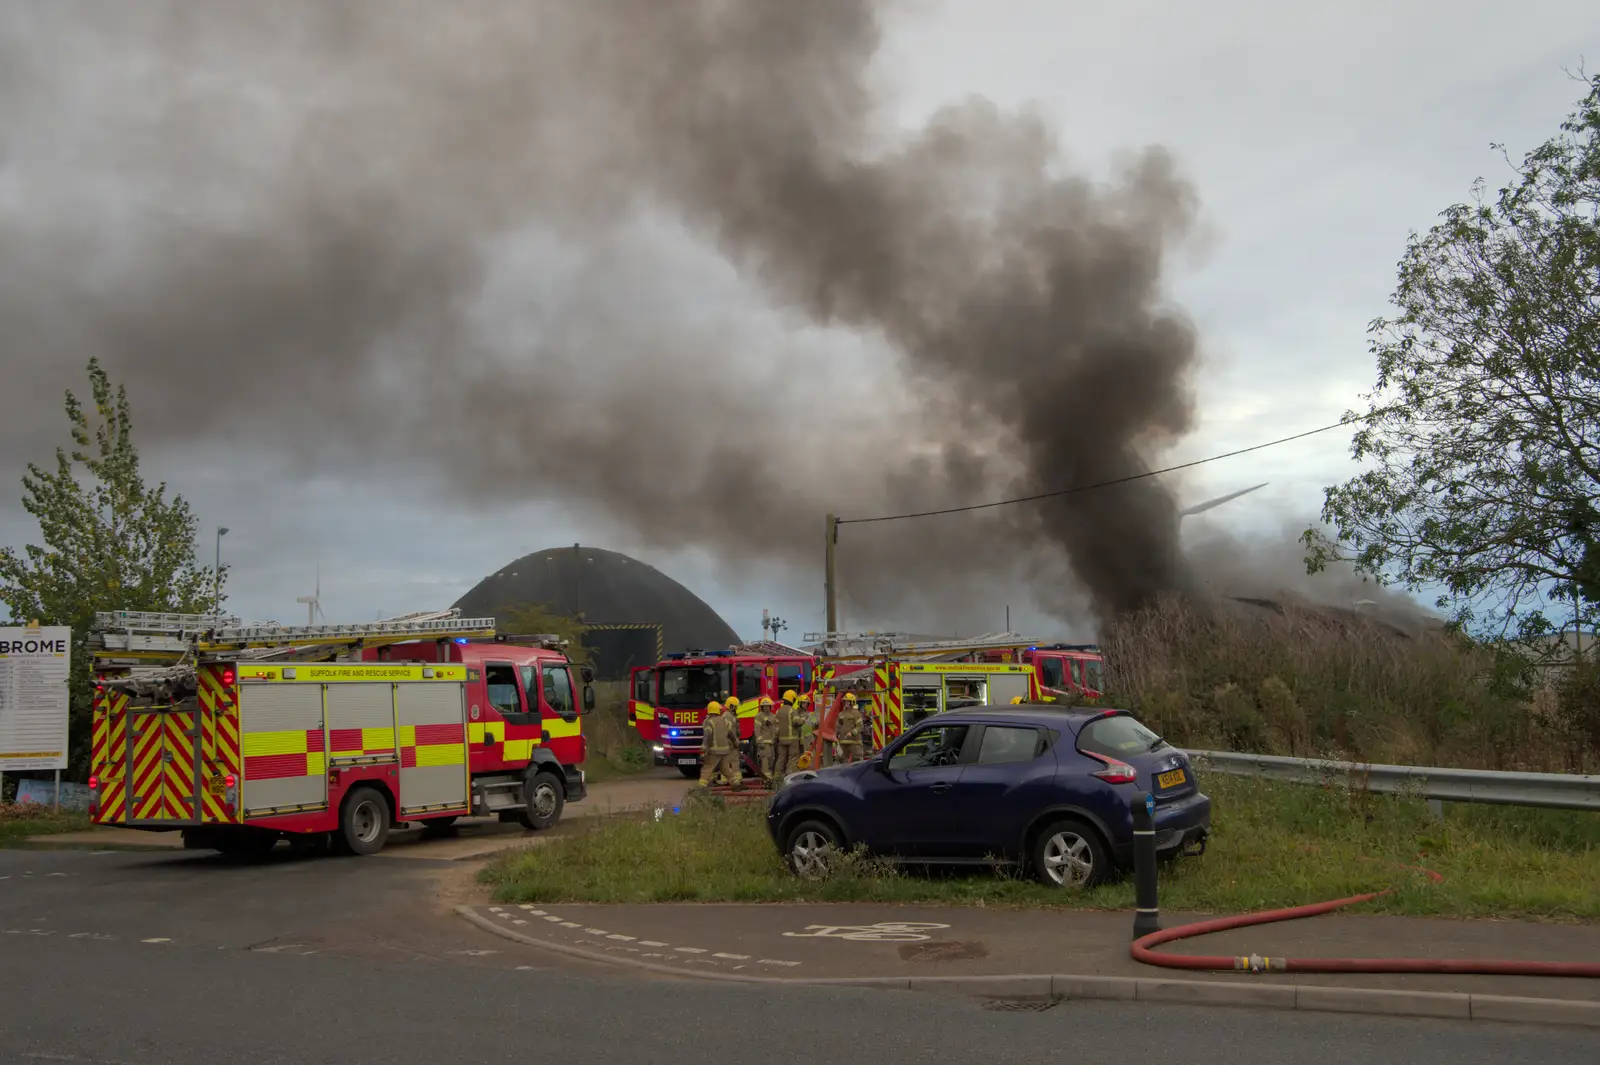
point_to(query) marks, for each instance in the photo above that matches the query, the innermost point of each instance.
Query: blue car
(1030, 785)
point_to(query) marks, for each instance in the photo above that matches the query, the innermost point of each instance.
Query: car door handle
(943, 785)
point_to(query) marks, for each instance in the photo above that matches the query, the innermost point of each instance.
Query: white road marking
(552, 917)
(163, 939)
(774, 961)
(475, 953)
(625, 939)
(650, 943)
(689, 950)
(596, 931)
(733, 957)
(570, 924)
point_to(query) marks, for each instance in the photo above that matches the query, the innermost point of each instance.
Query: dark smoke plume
(418, 237)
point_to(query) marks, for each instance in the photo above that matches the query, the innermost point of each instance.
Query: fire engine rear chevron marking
(111, 758)
(178, 771)
(148, 778)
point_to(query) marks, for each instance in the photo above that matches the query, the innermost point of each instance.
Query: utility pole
(832, 583)
(216, 595)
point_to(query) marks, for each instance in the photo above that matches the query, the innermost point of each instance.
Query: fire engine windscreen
(678, 244)
(692, 687)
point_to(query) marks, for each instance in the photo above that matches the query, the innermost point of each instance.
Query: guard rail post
(1147, 907)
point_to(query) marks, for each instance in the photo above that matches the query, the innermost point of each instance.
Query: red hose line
(1251, 963)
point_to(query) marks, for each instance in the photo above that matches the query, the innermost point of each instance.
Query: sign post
(35, 664)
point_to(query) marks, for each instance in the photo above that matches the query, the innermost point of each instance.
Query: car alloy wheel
(811, 851)
(1069, 856)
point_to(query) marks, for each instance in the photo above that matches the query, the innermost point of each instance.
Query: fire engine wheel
(544, 797)
(363, 822)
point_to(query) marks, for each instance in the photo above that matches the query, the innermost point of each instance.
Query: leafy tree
(110, 542)
(1482, 435)
(530, 619)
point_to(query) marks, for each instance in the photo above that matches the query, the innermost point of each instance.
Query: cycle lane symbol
(882, 932)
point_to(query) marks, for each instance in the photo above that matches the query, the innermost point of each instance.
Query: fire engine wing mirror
(588, 697)
(587, 674)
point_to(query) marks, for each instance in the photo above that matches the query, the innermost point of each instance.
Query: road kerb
(986, 986)
(1218, 993)
(1313, 997)
(1535, 1010)
(1372, 1000)
(1119, 988)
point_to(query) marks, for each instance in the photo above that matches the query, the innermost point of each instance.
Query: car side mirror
(587, 673)
(588, 697)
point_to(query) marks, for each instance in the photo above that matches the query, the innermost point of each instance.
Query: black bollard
(1147, 908)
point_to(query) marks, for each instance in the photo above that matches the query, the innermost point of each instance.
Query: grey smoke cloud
(283, 225)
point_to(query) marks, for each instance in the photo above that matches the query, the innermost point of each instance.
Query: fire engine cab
(242, 735)
(667, 700)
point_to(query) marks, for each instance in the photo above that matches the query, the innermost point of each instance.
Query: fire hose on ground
(1149, 934)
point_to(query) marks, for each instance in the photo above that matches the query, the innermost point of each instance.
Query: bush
(1317, 684)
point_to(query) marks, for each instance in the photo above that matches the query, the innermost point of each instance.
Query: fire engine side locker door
(285, 760)
(1003, 687)
(432, 719)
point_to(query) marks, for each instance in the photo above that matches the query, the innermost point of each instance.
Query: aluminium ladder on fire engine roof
(865, 645)
(770, 648)
(147, 635)
(160, 650)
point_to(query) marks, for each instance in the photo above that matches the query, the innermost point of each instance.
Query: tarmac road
(134, 959)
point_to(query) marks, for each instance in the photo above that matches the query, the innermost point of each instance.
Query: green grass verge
(20, 820)
(1272, 845)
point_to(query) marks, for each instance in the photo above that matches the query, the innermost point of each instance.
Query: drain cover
(1020, 1005)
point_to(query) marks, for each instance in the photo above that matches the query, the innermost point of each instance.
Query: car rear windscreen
(1117, 737)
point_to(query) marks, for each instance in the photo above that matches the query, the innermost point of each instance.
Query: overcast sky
(1316, 139)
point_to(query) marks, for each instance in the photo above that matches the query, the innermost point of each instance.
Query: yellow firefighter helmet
(849, 697)
(714, 707)
(732, 704)
(788, 696)
(766, 702)
(1016, 699)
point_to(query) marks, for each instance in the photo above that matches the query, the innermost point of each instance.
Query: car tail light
(1115, 772)
(94, 782)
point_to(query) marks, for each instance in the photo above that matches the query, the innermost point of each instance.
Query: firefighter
(766, 739)
(718, 746)
(787, 721)
(849, 731)
(731, 707)
(808, 727)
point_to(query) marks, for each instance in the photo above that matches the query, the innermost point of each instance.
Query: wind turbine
(1199, 508)
(313, 602)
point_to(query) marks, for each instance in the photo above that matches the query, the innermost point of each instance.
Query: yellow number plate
(217, 785)
(1170, 780)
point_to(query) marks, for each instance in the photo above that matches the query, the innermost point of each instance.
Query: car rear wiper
(1157, 742)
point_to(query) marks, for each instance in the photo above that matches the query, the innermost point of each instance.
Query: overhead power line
(1104, 484)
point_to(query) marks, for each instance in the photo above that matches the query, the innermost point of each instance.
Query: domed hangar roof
(604, 588)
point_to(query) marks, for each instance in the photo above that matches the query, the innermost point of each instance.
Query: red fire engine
(242, 735)
(667, 700)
